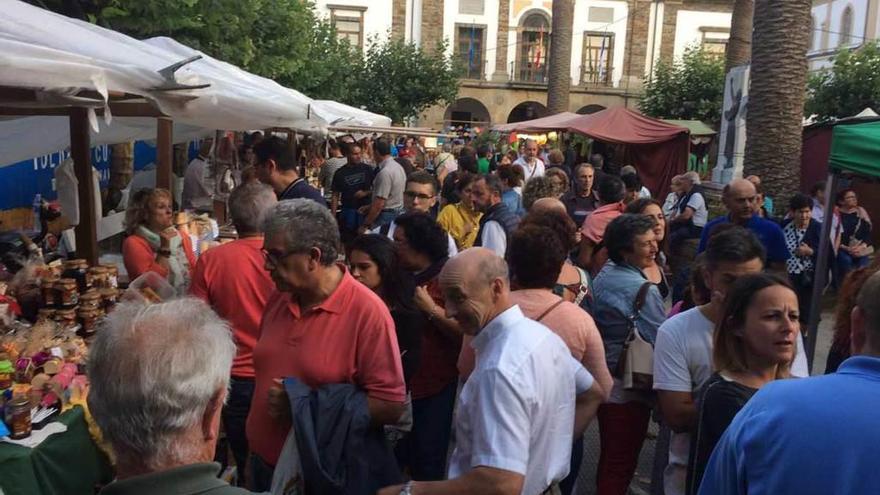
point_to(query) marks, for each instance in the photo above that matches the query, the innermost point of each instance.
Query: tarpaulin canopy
(339, 114)
(856, 148)
(555, 122)
(696, 127)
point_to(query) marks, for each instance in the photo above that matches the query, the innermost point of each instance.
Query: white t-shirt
(701, 213)
(516, 410)
(683, 363)
(494, 238)
(453, 249)
(530, 171)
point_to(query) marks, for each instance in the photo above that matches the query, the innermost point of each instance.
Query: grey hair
(692, 176)
(153, 371)
(579, 166)
(248, 206)
(628, 169)
(447, 147)
(304, 224)
(492, 267)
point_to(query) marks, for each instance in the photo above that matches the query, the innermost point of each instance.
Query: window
(471, 7)
(534, 46)
(846, 26)
(349, 23)
(715, 40)
(598, 53)
(469, 47)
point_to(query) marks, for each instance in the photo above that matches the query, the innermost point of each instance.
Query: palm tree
(739, 47)
(559, 80)
(776, 98)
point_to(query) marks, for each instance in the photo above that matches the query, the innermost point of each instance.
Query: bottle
(38, 204)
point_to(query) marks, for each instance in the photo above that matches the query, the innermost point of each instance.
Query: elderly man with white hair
(159, 375)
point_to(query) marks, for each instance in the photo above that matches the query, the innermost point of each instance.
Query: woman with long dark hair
(754, 343)
(374, 263)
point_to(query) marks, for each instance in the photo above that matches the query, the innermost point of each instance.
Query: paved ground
(641, 484)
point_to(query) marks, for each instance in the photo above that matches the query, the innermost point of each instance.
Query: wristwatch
(407, 488)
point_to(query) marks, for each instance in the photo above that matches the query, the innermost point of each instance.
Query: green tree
(400, 80)
(848, 87)
(691, 88)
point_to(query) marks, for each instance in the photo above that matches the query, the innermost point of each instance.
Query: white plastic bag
(288, 476)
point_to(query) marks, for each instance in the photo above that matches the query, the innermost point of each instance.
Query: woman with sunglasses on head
(755, 342)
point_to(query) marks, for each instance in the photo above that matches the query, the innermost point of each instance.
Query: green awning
(856, 148)
(697, 127)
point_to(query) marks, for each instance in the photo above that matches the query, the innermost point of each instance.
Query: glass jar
(109, 298)
(7, 373)
(49, 291)
(18, 418)
(88, 320)
(91, 299)
(67, 293)
(112, 275)
(97, 277)
(77, 269)
(66, 317)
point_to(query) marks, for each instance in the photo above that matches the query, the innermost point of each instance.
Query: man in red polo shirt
(321, 327)
(231, 278)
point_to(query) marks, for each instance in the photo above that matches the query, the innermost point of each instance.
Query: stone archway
(466, 111)
(588, 109)
(527, 110)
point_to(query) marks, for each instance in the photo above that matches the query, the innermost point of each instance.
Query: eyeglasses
(275, 258)
(415, 195)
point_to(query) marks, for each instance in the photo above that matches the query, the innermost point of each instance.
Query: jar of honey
(49, 291)
(109, 298)
(90, 299)
(18, 418)
(66, 317)
(88, 318)
(67, 293)
(96, 277)
(77, 269)
(112, 275)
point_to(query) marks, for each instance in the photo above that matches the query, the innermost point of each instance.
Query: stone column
(667, 38)
(500, 74)
(432, 23)
(636, 50)
(398, 19)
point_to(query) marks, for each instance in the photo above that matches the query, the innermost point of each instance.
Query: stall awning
(555, 122)
(856, 148)
(696, 127)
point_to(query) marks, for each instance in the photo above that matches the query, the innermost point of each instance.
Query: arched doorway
(527, 110)
(588, 109)
(533, 48)
(466, 112)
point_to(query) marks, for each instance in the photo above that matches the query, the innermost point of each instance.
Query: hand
(361, 194)
(363, 229)
(364, 209)
(578, 237)
(803, 250)
(390, 490)
(165, 237)
(468, 228)
(424, 301)
(279, 404)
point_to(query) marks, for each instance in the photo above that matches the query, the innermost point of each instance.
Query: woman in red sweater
(153, 244)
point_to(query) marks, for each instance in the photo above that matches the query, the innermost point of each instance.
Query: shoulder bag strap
(640, 300)
(551, 308)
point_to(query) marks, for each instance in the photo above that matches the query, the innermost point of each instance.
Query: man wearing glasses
(321, 327)
(420, 195)
(740, 198)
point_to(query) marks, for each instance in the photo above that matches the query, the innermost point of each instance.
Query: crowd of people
(482, 310)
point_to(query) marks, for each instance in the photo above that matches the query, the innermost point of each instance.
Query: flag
(539, 48)
(471, 50)
(601, 64)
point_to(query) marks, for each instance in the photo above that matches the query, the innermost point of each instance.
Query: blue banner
(20, 182)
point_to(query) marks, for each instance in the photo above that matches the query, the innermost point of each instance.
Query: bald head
(544, 205)
(741, 200)
(475, 288)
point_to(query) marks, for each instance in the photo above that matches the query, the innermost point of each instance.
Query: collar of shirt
(189, 479)
(495, 327)
(290, 186)
(861, 365)
(386, 161)
(335, 303)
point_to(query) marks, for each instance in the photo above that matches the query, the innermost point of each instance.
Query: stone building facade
(503, 45)
(839, 24)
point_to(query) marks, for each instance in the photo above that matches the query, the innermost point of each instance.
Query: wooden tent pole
(87, 229)
(164, 152)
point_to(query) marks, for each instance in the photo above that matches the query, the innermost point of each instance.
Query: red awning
(556, 122)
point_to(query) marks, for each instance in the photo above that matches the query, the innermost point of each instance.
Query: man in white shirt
(530, 163)
(683, 350)
(524, 402)
(420, 195)
(197, 187)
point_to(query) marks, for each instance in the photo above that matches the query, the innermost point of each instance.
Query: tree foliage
(848, 87)
(690, 89)
(287, 41)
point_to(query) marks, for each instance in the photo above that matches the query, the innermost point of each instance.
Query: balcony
(592, 78)
(528, 72)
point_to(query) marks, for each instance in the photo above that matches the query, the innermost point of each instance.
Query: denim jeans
(350, 219)
(234, 416)
(387, 216)
(846, 263)
(426, 448)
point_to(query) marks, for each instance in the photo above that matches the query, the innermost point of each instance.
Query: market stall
(854, 152)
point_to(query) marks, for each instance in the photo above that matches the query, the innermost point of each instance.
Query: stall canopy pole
(164, 152)
(819, 281)
(87, 229)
